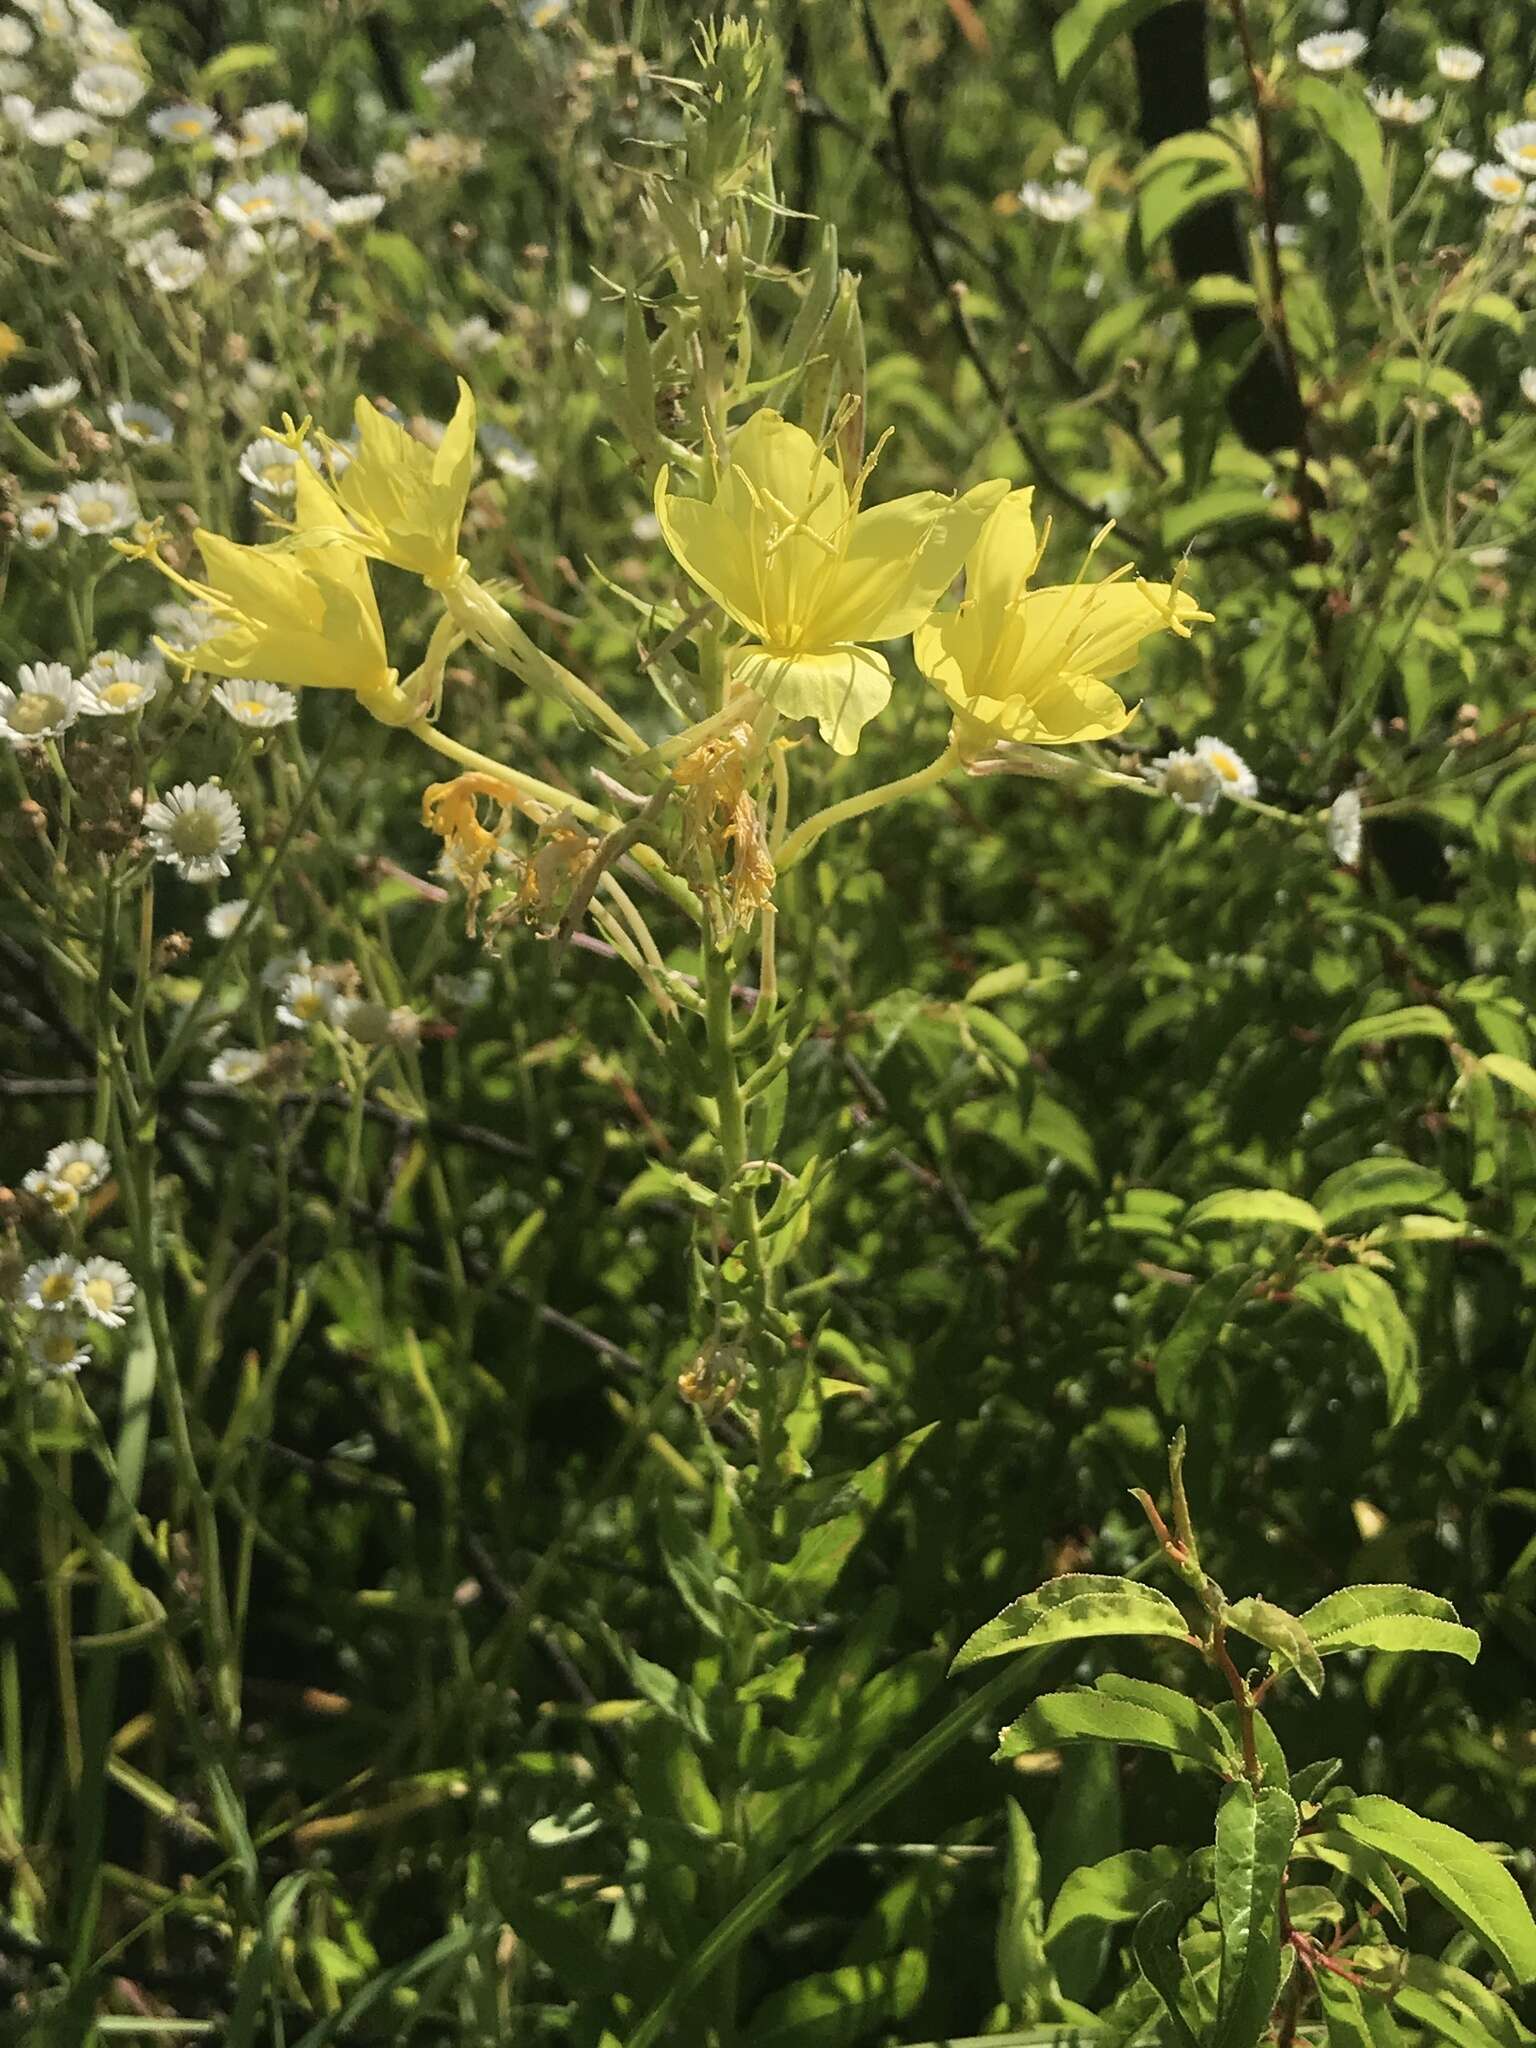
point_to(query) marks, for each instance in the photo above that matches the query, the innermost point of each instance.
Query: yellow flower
(1024, 664)
(298, 611)
(11, 343)
(397, 499)
(784, 549)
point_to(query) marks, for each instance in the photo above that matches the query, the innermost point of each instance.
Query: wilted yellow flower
(397, 499)
(784, 548)
(298, 611)
(452, 811)
(1026, 664)
(11, 343)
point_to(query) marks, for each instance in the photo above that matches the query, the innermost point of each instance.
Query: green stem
(805, 836)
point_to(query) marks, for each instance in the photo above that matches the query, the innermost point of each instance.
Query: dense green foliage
(382, 1634)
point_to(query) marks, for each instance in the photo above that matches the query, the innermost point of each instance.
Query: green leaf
(238, 61)
(1346, 118)
(1083, 34)
(1366, 1866)
(1281, 1633)
(1363, 1302)
(1388, 1618)
(826, 1547)
(1176, 188)
(1418, 1020)
(1469, 1998)
(1221, 508)
(1443, 2017)
(1517, 1074)
(1201, 1321)
(1155, 1945)
(1390, 1183)
(1467, 1879)
(1106, 1894)
(841, 2006)
(1344, 2012)
(1131, 1711)
(1077, 1605)
(1025, 1981)
(1254, 1834)
(1250, 1206)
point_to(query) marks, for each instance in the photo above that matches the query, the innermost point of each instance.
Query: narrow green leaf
(1077, 1605)
(1280, 1633)
(1255, 1206)
(1346, 118)
(1083, 34)
(1204, 1315)
(1254, 1834)
(1155, 1945)
(1344, 2012)
(1131, 1711)
(1025, 1981)
(1470, 1998)
(1388, 1618)
(1418, 1020)
(1514, 1073)
(1364, 1303)
(1466, 1878)
(1366, 1866)
(837, 2007)
(1372, 1185)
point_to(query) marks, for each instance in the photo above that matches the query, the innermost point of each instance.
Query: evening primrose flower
(396, 499)
(1024, 664)
(194, 828)
(300, 611)
(785, 549)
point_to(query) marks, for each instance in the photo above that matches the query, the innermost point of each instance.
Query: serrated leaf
(1251, 1206)
(1417, 1020)
(1076, 1606)
(1388, 1618)
(1363, 1302)
(1470, 1997)
(1130, 1711)
(1467, 1879)
(1371, 1185)
(1254, 1834)
(1282, 1634)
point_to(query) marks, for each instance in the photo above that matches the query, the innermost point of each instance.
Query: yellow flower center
(62, 1197)
(277, 475)
(122, 696)
(187, 125)
(1225, 767)
(58, 1347)
(100, 1293)
(35, 711)
(308, 1006)
(96, 511)
(58, 1290)
(252, 707)
(79, 1173)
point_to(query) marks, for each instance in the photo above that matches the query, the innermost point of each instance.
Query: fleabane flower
(1344, 828)
(1398, 108)
(1499, 183)
(300, 611)
(98, 508)
(1029, 665)
(1457, 63)
(194, 828)
(1452, 164)
(115, 686)
(1333, 50)
(1234, 776)
(51, 1284)
(1517, 146)
(81, 1163)
(258, 705)
(105, 1291)
(59, 1346)
(144, 425)
(784, 547)
(45, 703)
(396, 499)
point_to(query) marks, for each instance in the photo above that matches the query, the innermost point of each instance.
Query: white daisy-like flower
(270, 466)
(307, 999)
(194, 828)
(1528, 384)
(1398, 108)
(51, 1284)
(105, 1290)
(38, 525)
(82, 1163)
(282, 965)
(575, 301)
(137, 255)
(1062, 202)
(258, 705)
(108, 43)
(1333, 50)
(1494, 556)
(223, 921)
(392, 172)
(89, 204)
(13, 76)
(645, 527)
(474, 336)
(1069, 159)
(59, 126)
(236, 1066)
(262, 128)
(1517, 146)
(450, 69)
(1457, 63)
(1452, 164)
(120, 688)
(175, 268)
(42, 397)
(146, 426)
(363, 1019)
(1344, 828)
(184, 627)
(254, 205)
(15, 37)
(127, 168)
(184, 121)
(59, 1345)
(356, 211)
(46, 704)
(58, 1197)
(1499, 183)
(1188, 779)
(1334, 12)
(505, 453)
(99, 507)
(111, 90)
(1234, 775)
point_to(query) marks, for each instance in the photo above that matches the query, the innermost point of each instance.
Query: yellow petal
(841, 688)
(716, 552)
(784, 467)
(900, 559)
(1094, 628)
(408, 498)
(1006, 554)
